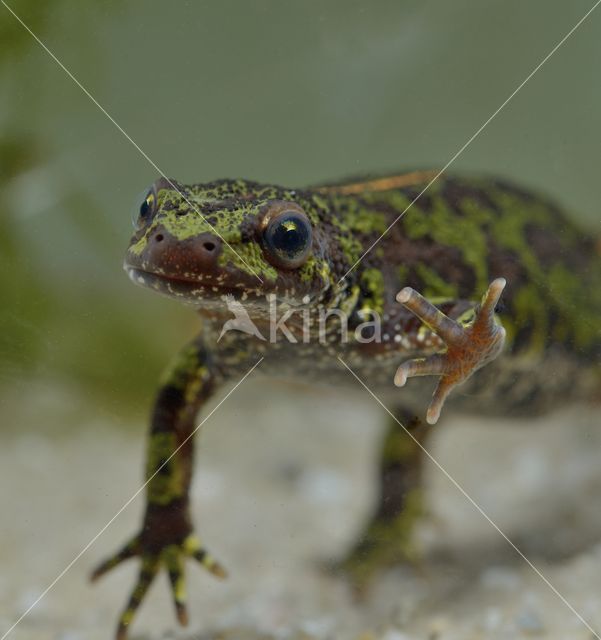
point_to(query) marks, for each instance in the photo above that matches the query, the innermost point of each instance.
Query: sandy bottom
(281, 486)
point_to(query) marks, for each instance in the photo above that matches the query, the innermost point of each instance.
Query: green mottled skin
(459, 236)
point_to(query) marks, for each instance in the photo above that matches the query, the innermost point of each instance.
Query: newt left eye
(287, 239)
(146, 209)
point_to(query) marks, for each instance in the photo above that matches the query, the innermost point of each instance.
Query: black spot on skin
(456, 192)
(425, 203)
(169, 402)
(163, 467)
(169, 206)
(248, 228)
(552, 245)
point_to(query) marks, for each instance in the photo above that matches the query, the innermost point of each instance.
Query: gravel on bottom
(281, 486)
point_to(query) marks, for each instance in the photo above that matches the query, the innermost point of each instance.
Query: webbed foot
(468, 347)
(169, 556)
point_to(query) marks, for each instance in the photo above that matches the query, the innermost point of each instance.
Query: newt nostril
(209, 249)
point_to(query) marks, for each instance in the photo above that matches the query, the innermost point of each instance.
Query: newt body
(235, 244)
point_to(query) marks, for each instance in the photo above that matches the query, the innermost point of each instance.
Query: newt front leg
(468, 347)
(167, 536)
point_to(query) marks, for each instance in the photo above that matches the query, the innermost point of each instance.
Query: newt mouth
(200, 289)
(192, 269)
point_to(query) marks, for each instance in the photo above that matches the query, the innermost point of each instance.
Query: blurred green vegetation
(286, 92)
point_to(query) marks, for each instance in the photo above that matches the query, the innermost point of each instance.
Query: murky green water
(285, 92)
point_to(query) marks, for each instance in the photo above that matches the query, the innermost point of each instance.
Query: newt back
(464, 232)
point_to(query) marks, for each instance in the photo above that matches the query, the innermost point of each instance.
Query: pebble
(393, 634)
(529, 622)
(500, 578)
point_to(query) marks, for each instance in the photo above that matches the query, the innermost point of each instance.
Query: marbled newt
(237, 242)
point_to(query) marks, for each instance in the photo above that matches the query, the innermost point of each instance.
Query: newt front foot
(468, 347)
(171, 557)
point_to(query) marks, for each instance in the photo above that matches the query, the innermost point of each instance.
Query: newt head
(201, 242)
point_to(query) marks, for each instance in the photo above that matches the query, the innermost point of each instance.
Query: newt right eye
(145, 210)
(287, 238)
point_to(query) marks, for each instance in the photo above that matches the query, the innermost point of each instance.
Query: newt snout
(178, 259)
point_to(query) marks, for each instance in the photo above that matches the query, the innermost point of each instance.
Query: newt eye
(145, 210)
(287, 239)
